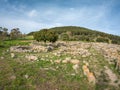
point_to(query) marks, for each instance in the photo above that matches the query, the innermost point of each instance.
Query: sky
(33, 15)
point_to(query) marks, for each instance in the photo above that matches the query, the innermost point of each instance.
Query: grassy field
(29, 37)
(20, 74)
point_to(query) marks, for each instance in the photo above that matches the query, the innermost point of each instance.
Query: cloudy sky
(32, 15)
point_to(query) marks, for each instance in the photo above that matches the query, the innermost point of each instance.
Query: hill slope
(66, 66)
(74, 33)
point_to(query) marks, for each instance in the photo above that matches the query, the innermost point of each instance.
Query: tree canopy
(45, 35)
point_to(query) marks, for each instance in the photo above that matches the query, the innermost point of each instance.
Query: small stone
(31, 57)
(13, 77)
(75, 61)
(73, 74)
(75, 67)
(57, 61)
(26, 76)
(12, 55)
(2, 57)
(49, 48)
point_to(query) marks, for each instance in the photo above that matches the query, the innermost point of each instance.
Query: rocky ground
(80, 65)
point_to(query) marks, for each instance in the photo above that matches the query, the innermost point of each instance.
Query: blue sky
(32, 15)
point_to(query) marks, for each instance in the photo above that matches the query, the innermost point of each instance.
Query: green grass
(6, 44)
(46, 76)
(37, 76)
(15, 42)
(30, 37)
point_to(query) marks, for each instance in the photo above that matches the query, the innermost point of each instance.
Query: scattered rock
(90, 75)
(1, 57)
(110, 52)
(13, 77)
(26, 76)
(65, 61)
(73, 74)
(75, 67)
(85, 70)
(86, 63)
(38, 48)
(91, 78)
(57, 61)
(57, 54)
(111, 75)
(12, 55)
(31, 57)
(74, 61)
(49, 48)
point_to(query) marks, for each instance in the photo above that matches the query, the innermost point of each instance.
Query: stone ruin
(31, 48)
(74, 48)
(20, 49)
(110, 51)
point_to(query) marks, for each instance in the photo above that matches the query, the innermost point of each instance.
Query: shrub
(65, 37)
(46, 35)
(102, 40)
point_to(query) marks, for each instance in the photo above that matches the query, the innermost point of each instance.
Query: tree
(101, 39)
(65, 37)
(45, 35)
(15, 33)
(3, 34)
(51, 36)
(41, 35)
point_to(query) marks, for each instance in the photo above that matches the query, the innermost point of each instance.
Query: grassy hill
(84, 34)
(26, 64)
(74, 33)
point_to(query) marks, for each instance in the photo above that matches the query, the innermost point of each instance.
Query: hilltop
(74, 33)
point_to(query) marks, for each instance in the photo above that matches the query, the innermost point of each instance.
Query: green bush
(65, 37)
(102, 40)
(45, 35)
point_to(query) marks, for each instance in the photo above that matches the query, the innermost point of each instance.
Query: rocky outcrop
(90, 75)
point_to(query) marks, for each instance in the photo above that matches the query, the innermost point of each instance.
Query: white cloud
(87, 17)
(82, 16)
(25, 26)
(32, 13)
(94, 17)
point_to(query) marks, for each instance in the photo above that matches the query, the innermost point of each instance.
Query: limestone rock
(75, 67)
(31, 57)
(12, 55)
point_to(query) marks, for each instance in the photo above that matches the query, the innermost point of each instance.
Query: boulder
(91, 78)
(12, 55)
(75, 61)
(31, 57)
(49, 48)
(26, 76)
(75, 67)
(57, 61)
